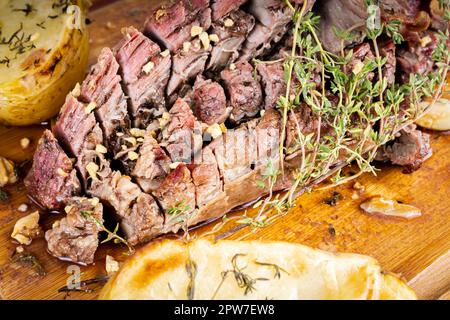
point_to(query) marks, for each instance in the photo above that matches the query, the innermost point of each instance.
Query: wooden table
(417, 249)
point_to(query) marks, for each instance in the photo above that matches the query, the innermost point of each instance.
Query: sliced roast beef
(145, 71)
(209, 101)
(75, 237)
(187, 64)
(221, 8)
(176, 195)
(268, 131)
(74, 122)
(103, 91)
(171, 24)
(182, 136)
(244, 91)
(138, 213)
(410, 149)
(300, 120)
(52, 181)
(273, 82)
(206, 178)
(273, 18)
(231, 31)
(152, 166)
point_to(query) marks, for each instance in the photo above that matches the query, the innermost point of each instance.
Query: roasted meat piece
(52, 181)
(209, 101)
(75, 237)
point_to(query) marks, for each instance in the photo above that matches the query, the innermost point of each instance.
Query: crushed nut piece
(27, 228)
(228, 23)
(99, 148)
(148, 67)
(133, 155)
(7, 172)
(92, 169)
(24, 143)
(196, 30)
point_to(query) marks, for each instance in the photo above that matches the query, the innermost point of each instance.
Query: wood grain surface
(417, 249)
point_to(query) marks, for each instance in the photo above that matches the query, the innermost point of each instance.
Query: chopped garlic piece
(25, 143)
(23, 207)
(148, 67)
(165, 53)
(111, 265)
(204, 38)
(379, 205)
(90, 107)
(94, 201)
(228, 23)
(67, 209)
(26, 228)
(232, 66)
(131, 140)
(196, 30)
(76, 91)
(214, 37)
(92, 169)
(101, 149)
(214, 130)
(186, 46)
(119, 134)
(135, 132)
(132, 155)
(425, 41)
(7, 172)
(358, 67)
(174, 165)
(61, 172)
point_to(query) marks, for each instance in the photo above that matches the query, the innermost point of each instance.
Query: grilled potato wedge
(44, 53)
(202, 269)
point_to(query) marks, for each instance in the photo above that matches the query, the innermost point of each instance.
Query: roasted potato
(43, 54)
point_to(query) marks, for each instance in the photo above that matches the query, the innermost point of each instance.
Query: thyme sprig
(111, 235)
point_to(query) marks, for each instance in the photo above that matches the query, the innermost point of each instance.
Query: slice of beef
(145, 74)
(417, 57)
(171, 24)
(221, 8)
(244, 91)
(187, 65)
(52, 181)
(152, 166)
(268, 131)
(232, 30)
(206, 178)
(75, 237)
(103, 90)
(410, 149)
(209, 101)
(273, 82)
(235, 152)
(182, 136)
(176, 195)
(74, 123)
(139, 216)
(273, 17)
(144, 221)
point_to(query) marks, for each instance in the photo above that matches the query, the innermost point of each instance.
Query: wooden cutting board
(418, 249)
